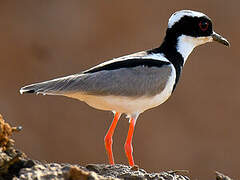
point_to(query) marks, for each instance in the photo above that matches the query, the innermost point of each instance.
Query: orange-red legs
(108, 138)
(128, 143)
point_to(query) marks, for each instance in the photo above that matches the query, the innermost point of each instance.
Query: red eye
(203, 25)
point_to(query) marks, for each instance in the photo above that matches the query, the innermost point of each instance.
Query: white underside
(127, 105)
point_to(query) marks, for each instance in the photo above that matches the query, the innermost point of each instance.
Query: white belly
(127, 105)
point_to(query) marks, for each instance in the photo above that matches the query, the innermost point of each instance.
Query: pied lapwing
(135, 83)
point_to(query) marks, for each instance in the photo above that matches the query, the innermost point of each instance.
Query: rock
(16, 165)
(56, 171)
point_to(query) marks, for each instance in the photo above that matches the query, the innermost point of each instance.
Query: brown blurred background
(196, 129)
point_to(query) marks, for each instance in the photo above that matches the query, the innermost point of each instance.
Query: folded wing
(133, 77)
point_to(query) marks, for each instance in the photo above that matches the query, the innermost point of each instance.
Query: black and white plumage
(134, 83)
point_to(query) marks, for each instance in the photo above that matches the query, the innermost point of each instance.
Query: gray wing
(131, 81)
(137, 81)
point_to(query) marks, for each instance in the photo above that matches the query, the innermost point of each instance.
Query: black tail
(29, 89)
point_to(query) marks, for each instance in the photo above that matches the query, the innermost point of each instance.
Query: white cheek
(203, 40)
(194, 41)
(186, 44)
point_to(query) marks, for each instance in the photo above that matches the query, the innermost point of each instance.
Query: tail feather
(33, 88)
(54, 87)
(25, 89)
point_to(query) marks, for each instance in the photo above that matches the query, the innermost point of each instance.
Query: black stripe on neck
(129, 63)
(168, 48)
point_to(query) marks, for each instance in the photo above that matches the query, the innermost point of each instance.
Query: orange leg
(108, 138)
(128, 143)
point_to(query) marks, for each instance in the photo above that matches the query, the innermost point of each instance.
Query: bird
(134, 83)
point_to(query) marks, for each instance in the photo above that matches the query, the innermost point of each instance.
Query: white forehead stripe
(179, 14)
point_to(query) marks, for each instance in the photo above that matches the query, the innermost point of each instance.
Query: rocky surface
(92, 172)
(16, 165)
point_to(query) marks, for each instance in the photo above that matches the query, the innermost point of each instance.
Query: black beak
(220, 39)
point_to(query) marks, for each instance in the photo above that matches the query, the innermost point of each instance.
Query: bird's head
(191, 29)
